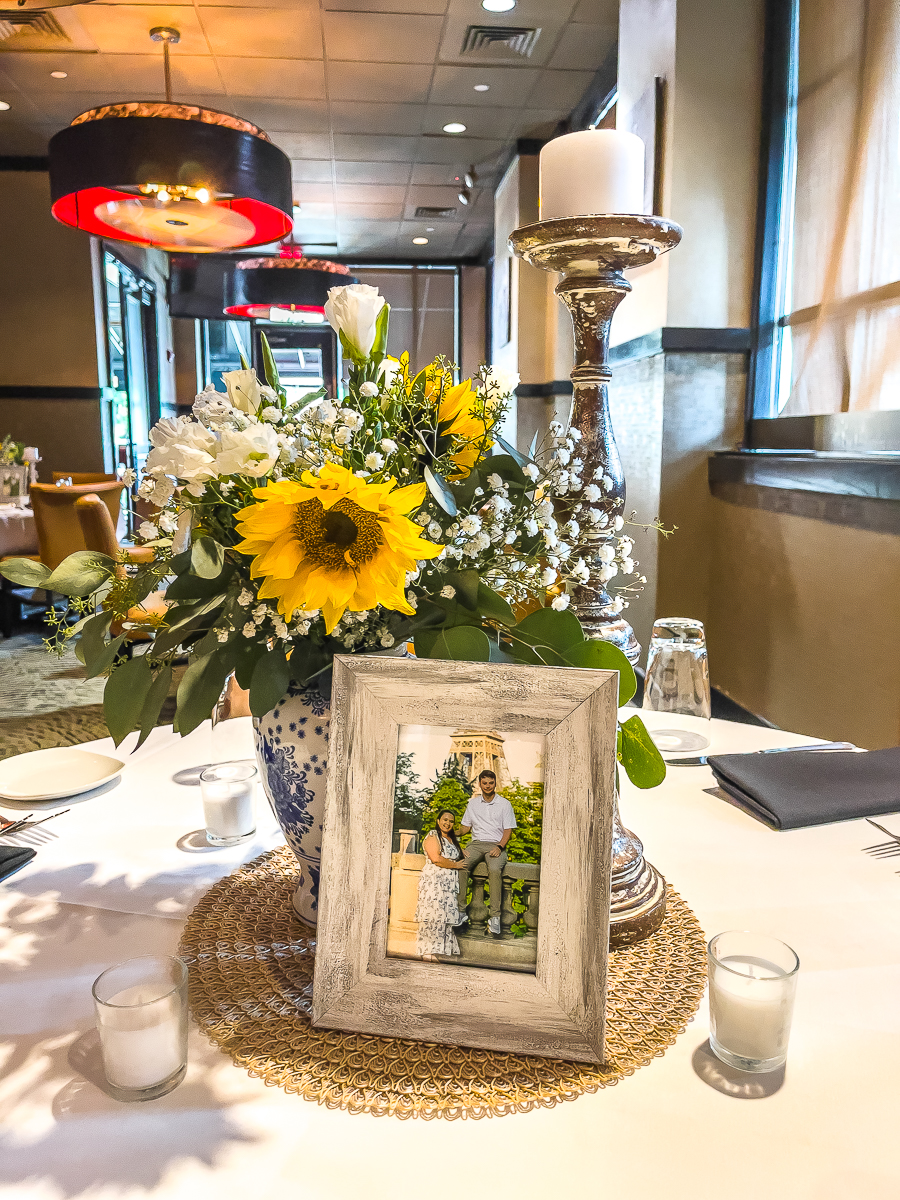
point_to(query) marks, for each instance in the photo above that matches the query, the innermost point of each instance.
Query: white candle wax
(590, 172)
(141, 1042)
(228, 808)
(750, 1007)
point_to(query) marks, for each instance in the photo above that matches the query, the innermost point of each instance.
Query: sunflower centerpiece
(287, 530)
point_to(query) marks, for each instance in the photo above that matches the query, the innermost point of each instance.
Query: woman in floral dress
(438, 909)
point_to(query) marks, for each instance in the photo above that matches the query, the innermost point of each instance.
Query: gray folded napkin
(794, 789)
(14, 857)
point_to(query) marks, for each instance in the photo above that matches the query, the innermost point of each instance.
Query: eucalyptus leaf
(200, 688)
(603, 655)
(642, 761)
(510, 450)
(124, 696)
(465, 584)
(269, 365)
(207, 558)
(438, 487)
(93, 637)
(271, 677)
(498, 654)
(509, 471)
(25, 571)
(81, 573)
(463, 643)
(196, 587)
(556, 629)
(156, 698)
(104, 658)
(379, 346)
(492, 605)
(179, 563)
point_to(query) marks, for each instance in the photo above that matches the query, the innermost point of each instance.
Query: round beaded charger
(251, 969)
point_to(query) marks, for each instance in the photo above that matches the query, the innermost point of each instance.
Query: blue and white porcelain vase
(292, 751)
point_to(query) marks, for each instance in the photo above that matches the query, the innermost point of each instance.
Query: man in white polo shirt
(491, 820)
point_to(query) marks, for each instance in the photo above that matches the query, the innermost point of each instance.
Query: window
(828, 320)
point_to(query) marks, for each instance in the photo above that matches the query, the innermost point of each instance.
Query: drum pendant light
(172, 176)
(288, 289)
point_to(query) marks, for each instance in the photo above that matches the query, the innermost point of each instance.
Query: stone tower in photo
(478, 750)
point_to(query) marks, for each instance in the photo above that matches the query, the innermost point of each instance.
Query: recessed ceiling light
(59, 74)
(481, 87)
(498, 5)
(3, 106)
(454, 127)
(429, 229)
(420, 241)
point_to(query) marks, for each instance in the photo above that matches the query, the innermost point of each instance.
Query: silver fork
(883, 849)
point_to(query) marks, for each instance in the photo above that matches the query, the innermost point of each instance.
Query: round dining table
(117, 875)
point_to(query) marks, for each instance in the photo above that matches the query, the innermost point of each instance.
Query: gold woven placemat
(251, 967)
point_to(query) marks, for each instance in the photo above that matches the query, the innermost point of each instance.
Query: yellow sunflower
(333, 542)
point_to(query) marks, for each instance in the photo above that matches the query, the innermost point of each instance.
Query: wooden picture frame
(558, 1012)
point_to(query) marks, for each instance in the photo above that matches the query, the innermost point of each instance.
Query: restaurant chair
(56, 520)
(77, 477)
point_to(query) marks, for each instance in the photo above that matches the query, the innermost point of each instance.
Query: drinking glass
(752, 981)
(677, 680)
(141, 1009)
(228, 792)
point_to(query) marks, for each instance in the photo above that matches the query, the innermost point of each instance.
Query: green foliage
(448, 793)
(407, 793)
(639, 756)
(25, 572)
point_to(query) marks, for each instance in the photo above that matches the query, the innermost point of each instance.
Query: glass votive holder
(228, 791)
(142, 1018)
(752, 981)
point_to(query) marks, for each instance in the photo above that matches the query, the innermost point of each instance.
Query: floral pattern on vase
(292, 751)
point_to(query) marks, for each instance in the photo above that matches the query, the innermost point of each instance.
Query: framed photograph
(466, 855)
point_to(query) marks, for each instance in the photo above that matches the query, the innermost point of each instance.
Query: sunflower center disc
(345, 530)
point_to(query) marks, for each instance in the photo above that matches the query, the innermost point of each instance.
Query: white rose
(271, 413)
(243, 391)
(369, 389)
(352, 311)
(251, 451)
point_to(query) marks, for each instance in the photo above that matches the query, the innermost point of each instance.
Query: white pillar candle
(594, 171)
(750, 1003)
(141, 1037)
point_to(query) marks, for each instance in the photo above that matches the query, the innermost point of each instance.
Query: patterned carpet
(47, 701)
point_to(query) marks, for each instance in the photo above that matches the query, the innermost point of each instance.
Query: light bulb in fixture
(454, 127)
(420, 241)
(463, 196)
(498, 5)
(4, 107)
(469, 177)
(163, 196)
(59, 74)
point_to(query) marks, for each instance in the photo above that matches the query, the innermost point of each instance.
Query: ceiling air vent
(35, 27)
(424, 213)
(488, 39)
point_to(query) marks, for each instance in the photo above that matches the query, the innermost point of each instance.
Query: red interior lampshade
(294, 286)
(173, 176)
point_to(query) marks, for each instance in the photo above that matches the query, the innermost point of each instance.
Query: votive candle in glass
(228, 792)
(142, 1018)
(752, 981)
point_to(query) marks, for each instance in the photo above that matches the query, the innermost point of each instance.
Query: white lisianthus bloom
(147, 531)
(548, 576)
(592, 493)
(352, 311)
(252, 451)
(211, 407)
(387, 370)
(187, 456)
(531, 471)
(168, 523)
(343, 436)
(448, 592)
(388, 446)
(374, 461)
(368, 389)
(243, 391)
(560, 603)
(181, 539)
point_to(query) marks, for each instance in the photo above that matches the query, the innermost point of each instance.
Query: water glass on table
(677, 680)
(141, 1009)
(752, 981)
(228, 791)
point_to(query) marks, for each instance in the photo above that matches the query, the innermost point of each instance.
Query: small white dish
(56, 773)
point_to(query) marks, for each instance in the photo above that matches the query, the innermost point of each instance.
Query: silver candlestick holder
(591, 253)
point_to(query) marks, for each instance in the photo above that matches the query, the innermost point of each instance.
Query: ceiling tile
(432, 173)
(306, 194)
(509, 86)
(21, 137)
(302, 145)
(479, 122)
(284, 116)
(423, 7)
(263, 32)
(64, 106)
(400, 119)
(560, 89)
(536, 123)
(434, 197)
(366, 193)
(381, 212)
(375, 38)
(283, 78)
(459, 151)
(378, 82)
(135, 74)
(597, 12)
(584, 47)
(125, 28)
(311, 170)
(358, 146)
(372, 172)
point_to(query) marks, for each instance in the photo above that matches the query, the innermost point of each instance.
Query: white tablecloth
(17, 532)
(111, 882)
